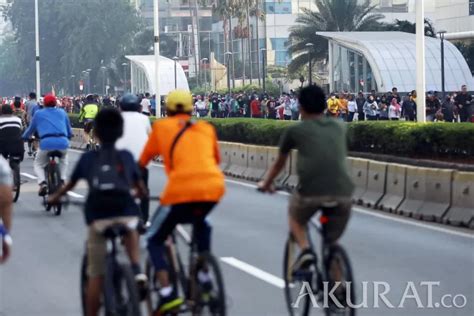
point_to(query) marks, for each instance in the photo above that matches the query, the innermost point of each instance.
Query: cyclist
(118, 208)
(5, 209)
(54, 131)
(195, 184)
(322, 170)
(19, 112)
(31, 107)
(11, 128)
(87, 115)
(136, 129)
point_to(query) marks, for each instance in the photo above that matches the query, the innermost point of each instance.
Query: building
(3, 23)
(382, 60)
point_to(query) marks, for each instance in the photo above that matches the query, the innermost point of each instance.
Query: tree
(74, 36)
(467, 50)
(331, 16)
(409, 27)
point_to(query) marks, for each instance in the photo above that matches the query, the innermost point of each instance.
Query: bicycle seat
(55, 154)
(116, 230)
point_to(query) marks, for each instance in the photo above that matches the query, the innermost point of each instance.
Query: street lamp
(73, 85)
(124, 65)
(89, 80)
(441, 36)
(204, 61)
(264, 51)
(310, 71)
(228, 54)
(104, 69)
(175, 58)
(37, 49)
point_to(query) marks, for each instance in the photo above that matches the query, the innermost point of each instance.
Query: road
(249, 232)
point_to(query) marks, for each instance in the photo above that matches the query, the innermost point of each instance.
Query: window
(471, 7)
(278, 7)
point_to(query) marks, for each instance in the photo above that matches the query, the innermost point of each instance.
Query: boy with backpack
(111, 174)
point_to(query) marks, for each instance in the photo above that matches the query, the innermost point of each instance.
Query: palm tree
(409, 27)
(331, 16)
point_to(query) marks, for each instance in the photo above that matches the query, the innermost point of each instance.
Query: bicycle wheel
(208, 295)
(120, 290)
(16, 180)
(300, 286)
(338, 267)
(54, 183)
(83, 284)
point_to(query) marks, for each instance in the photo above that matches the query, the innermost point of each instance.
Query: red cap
(49, 100)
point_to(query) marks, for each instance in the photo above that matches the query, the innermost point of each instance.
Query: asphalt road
(249, 230)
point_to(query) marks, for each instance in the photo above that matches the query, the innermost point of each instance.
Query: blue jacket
(53, 127)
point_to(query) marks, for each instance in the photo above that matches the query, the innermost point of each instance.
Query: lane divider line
(75, 195)
(29, 176)
(254, 271)
(183, 233)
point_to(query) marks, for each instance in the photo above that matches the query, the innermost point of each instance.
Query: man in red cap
(54, 130)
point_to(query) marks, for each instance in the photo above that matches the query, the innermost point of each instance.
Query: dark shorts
(88, 125)
(336, 209)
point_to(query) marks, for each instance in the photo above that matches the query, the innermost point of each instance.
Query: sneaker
(43, 189)
(168, 304)
(304, 260)
(142, 285)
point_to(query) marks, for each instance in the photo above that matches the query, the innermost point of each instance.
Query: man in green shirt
(324, 181)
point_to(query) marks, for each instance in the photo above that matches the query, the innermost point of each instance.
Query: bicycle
(318, 273)
(53, 180)
(120, 292)
(185, 279)
(15, 161)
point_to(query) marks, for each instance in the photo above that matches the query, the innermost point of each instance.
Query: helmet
(50, 100)
(179, 101)
(130, 103)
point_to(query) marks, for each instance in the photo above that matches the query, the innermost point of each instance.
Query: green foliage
(409, 27)
(331, 16)
(467, 50)
(74, 36)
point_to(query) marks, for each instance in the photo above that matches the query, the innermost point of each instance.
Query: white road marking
(75, 195)
(254, 271)
(30, 176)
(359, 210)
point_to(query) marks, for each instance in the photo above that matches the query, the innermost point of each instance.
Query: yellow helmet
(181, 100)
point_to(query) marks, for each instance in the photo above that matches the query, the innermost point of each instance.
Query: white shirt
(145, 105)
(200, 105)
(5, 178)
(352, 106)
(136, 128)
(393, 112)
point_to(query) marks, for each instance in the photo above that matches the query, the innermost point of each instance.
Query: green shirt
(322, 153)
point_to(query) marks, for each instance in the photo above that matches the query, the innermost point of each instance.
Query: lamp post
(441, 36)
(204, 61)
(420, 62)
(156, 32)
(124, 65)
(37, 49)
(175, 58)
(310, 70)
(264, 59)
(228, 54)
(73, 77)
(104, 69)
(89, 80)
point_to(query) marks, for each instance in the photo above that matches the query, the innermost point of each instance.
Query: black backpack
(109, 189)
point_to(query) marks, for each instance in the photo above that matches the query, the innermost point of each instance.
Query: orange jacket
(196, 175)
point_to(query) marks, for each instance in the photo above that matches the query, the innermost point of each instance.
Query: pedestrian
(295, 113)
(432, 106)
(146, 104)
(383, 111)
(343, 109)
(447, 108)
(370, 108)
(463, 102)
(360, 101)
(351, 107)
(394, 110)
(333, 105)
(409, 108)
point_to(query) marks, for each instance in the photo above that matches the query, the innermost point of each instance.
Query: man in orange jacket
(195, 185)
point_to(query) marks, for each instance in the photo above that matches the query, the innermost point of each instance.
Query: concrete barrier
(461, 212)
(395, 188)
(415, 191)
(292, 181)
(375, 184)
(437, 199)
(225, 152)
(272, 155)
(238, 160)
(359, 174)
(257, 163)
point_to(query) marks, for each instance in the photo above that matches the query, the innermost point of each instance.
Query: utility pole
(420, 62)
(38, 74)
(156, 20)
